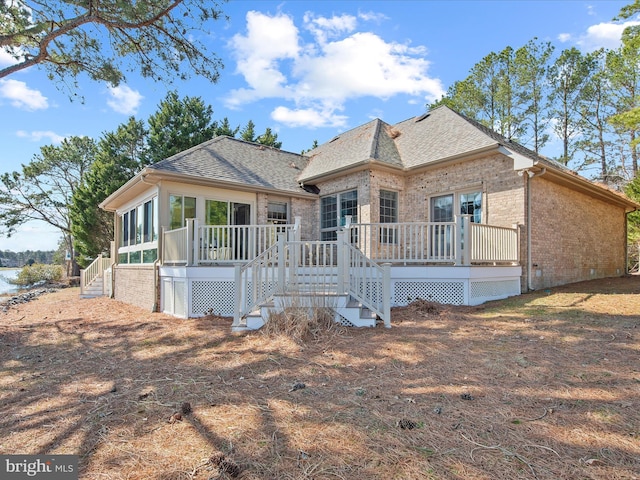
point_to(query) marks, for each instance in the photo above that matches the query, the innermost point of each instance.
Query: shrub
(38, 273)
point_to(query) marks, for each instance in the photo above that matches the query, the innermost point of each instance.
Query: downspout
(530, 175)
(156, 289)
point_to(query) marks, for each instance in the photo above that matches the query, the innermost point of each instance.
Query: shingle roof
(435, 136)
(230, 159)
(438, 135)
(369, 142)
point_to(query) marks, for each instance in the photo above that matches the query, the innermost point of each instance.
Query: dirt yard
(542, 386)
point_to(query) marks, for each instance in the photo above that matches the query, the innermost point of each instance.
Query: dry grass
(543, 386)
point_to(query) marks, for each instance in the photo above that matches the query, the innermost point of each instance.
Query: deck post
(237, 303)
(194, 245)
(467, 240)
(463, 240)
(458, 240)
(386, 294)
(161, 243)
(282, 260)
(342, 267)
(296, 229)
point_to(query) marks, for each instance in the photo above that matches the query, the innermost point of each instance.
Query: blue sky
(308, 70)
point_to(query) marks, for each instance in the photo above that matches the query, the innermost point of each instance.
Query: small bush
(38, 273)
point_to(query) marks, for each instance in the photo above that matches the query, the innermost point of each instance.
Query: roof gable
(371, 142)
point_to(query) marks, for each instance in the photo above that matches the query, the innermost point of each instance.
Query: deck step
(348, 311)
(94, 289)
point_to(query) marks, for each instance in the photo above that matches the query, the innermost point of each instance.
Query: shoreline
(25, 295)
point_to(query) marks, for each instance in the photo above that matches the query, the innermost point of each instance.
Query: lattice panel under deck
(451, 293)
(343, 321)
(495, 289)
(217, 297)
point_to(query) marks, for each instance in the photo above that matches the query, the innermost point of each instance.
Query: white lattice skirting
(450, 292)
(189, 293)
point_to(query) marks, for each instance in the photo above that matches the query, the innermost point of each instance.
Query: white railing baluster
(436, 242)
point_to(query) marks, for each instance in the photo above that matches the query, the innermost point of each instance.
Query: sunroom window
(139, 233)
(181, 208)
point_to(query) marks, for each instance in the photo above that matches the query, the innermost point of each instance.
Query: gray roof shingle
(369, 142)
(438, 135)
(435, 136)
(230, 159)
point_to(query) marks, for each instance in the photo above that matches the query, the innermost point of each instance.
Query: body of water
(8, 274)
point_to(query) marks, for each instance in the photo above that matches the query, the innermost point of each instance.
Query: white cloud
(6, 58)
(268, 41)
(21, 96)
(324, 28)
(564, 37)
(319, 76)
(33, 235)
(124, 100)
(372, 16)
(39, 135)
(308, 117)
(604, 35)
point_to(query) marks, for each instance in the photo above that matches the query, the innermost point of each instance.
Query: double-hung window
(388, 214)
(277, 213)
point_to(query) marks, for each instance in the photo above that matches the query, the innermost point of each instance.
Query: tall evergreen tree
(623, 66)
(105, 38)
(566, 76)
(269, 138)
(179, 124)
(532, 61)
(594, 141)
(120, 155)
(224, 128)
(248, 133)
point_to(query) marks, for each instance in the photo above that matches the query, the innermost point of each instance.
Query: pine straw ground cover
(542, 386)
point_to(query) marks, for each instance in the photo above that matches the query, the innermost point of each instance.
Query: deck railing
(236, 243)
(435, 242)
(406, 242)
(94, 270)
(175, 245)
(457, 243)
(256, 282)
(197, 244)
(369, 283)
(491, 244)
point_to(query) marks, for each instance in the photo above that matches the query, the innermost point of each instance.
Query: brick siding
(575, 237)
(135, 285)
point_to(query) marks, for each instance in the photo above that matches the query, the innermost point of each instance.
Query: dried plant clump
(302, 323)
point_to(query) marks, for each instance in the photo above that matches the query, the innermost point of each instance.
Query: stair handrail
(264, 274)
(369, 282)
(93, 271)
